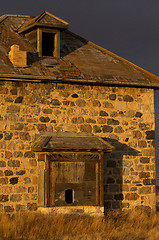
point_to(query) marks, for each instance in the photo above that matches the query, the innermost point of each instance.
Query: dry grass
(114, 226)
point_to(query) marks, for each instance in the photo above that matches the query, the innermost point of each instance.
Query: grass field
(114, 226)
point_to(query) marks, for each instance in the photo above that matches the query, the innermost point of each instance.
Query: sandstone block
(42, 127)
(74, 95)
(20, 208)
(139, 167)
(8, 136)
(137, 134)
(21, 189)
(8, 209)
(90, 120)
(128, 98)
(15, 197)
(144, 160)
(29, 154)
(27, 180)
(20, 172)
(145, 190)
(96, 129)
(131, 196)
(108, 105)
(13, 109)
(32, 206)
(149, 181)
(13, 180)
(4, 198)
(112, 122)
(19, 99)
(13, 163)
(81, 103)
(96, 103)
(47, 111)
(8, 173)
(118, 130)
(107, 129)
(144, 174)
(112, 97)
(125, 205)
(55, 102)
(25, 136)
(2, 164)
(150, 135)
(44, 119)
(138, 114)
(103, 113)
(78, 120)
(101, 120)
(86, 128)
(3, 180)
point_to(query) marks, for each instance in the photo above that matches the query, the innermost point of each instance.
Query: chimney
(17, 57)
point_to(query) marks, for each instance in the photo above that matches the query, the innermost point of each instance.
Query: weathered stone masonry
(122, 115)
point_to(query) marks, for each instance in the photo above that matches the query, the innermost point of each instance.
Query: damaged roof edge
(43, 79)
(3, 17)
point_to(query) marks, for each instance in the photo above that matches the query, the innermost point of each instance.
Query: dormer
(43, 32)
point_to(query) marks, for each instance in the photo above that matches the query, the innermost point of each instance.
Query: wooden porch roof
(70, 142)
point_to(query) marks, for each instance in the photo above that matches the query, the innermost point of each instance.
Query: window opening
(69, 196)
(47, 44)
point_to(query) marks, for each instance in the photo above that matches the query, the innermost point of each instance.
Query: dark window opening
(69, 196)
(47, 44)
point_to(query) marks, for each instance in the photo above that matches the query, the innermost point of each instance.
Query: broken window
(47, 44)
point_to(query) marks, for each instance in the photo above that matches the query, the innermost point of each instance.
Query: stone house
(77, 122)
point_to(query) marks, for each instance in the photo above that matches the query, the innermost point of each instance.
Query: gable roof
(81, 61)
(44, 20)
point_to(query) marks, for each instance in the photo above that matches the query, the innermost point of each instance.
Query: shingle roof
(81, 61)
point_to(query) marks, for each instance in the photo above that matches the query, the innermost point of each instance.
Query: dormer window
(43, 33)
(48, 42)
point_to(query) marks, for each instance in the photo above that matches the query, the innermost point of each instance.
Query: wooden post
(39, 42)
(52, 184)
(101, 180)
(47, 181)
(57, 45)
(41, 183)
(97, 184)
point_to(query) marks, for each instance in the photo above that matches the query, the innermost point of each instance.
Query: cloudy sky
(128, 28)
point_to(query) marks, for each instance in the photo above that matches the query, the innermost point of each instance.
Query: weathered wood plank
(97, 184)
(47, 182)
(41, 184)
(52, 184)
(101, 180)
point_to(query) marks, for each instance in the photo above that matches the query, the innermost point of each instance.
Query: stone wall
(122, 115)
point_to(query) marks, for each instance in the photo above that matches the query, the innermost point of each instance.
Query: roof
(44, 20)
(70, 142)
(81, 61)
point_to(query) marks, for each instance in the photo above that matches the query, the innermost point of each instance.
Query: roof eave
(42, 25)
(38, 78)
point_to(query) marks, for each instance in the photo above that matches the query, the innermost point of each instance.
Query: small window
(47, 44)
(69, 196)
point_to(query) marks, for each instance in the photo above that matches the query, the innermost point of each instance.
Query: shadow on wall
(115, 166)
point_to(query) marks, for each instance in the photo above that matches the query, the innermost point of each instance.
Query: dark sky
(128, 28)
